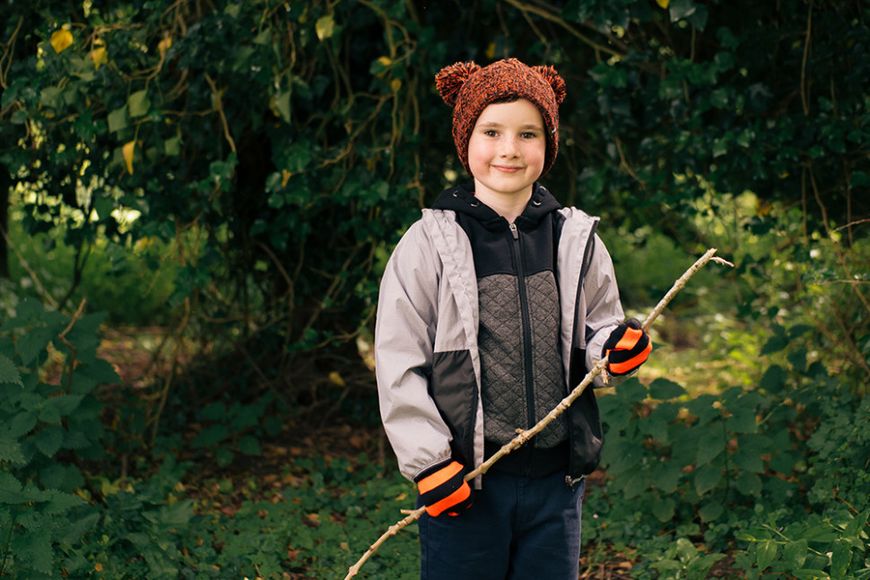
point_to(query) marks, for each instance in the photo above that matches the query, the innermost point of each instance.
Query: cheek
(535, 153)
(478, 152)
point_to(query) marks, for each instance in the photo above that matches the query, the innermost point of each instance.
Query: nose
(508, 147)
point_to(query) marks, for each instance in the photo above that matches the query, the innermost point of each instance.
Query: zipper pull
(571, 482)
(514, 231)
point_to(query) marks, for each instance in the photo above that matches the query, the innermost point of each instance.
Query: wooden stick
(524, 436)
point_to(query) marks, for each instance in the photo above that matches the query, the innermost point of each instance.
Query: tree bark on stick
(524, 436)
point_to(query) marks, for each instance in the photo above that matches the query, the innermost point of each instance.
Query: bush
(49, 425)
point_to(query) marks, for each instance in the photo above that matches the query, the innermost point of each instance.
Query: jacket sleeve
(603, 308)
(404, 344)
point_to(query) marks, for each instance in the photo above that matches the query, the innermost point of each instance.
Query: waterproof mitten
(443, 489)
(628, 347)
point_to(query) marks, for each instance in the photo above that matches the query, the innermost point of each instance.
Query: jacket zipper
(584, 267)
(527, 326)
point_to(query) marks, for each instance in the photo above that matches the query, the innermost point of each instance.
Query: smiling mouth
(506, 168)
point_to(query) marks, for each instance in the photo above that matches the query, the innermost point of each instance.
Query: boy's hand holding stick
(523, 437)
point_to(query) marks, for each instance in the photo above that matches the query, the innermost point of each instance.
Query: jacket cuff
(427, 471)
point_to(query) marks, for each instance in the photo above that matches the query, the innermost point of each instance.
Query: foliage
(773, 471)
(296, 141)
(50, 424)
(272, 153)
(113, 276)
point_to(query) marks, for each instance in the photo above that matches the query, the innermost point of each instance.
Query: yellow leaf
(324, 27)
(99, 56)
(663, 3)
(61, 40)
(128, 150)
(285, 177)
(98, 567)
(385, 61)
(490, 50)
(396, 84)
(164, 45)
(336, 379)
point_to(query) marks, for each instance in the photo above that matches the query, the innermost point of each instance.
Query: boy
(492, 306)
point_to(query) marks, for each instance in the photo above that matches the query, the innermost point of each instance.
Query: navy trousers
(518, 528)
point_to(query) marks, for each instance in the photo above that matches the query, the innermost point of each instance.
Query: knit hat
(470, 88)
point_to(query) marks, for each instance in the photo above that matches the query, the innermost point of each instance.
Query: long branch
(524, 436)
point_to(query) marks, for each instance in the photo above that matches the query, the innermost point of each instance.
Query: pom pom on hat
(556, 82)
(450, 79)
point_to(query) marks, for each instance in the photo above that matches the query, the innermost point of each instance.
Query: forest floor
(271, 476)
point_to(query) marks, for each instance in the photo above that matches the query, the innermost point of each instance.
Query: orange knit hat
(470, 88)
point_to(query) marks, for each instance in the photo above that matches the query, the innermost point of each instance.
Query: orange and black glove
(628, 347)
(443, 489)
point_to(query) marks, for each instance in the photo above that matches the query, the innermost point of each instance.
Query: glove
(444, 488)
(628, 347)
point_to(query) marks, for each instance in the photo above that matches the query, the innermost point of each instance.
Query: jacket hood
(461, 199)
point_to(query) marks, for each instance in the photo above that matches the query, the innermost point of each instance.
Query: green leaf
(282, 104)
(249, 445)
(631, 391)
(10, 451)
(698, 19)
(783, 462)
(22, 423)
(9, 372)
(841, 557)
(748, 461)
(48, 440)
(49, 414)
(211, 435)
(50, 97)
(117, 119)
(138, 103)
(680, 9)
(766, 553)
(663, 389)
(663, 509)
(667, 476)
(707, 478)
(795, 554)
(10, 489)
(635, 484)
(35, 550)
(711, 511)
(59, 502)
(172, 146)
(62, 477)
(777, 342)
(748, 484)
(742, 420)
(65, 404)
(100, 371)
(773, 379)
(710, 445)
(34, 342)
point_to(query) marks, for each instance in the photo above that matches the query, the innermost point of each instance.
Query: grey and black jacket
(429, 333)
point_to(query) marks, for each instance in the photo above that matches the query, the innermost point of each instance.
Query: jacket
(426, 341)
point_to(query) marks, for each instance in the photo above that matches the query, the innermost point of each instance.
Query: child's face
(507, 148)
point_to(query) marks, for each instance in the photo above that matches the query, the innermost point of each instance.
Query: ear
(450, 79)
(557, 83)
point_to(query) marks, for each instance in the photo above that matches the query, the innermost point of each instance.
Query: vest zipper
(527, 328)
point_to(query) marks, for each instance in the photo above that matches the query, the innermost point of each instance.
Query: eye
(490, 132)
(529, 134)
